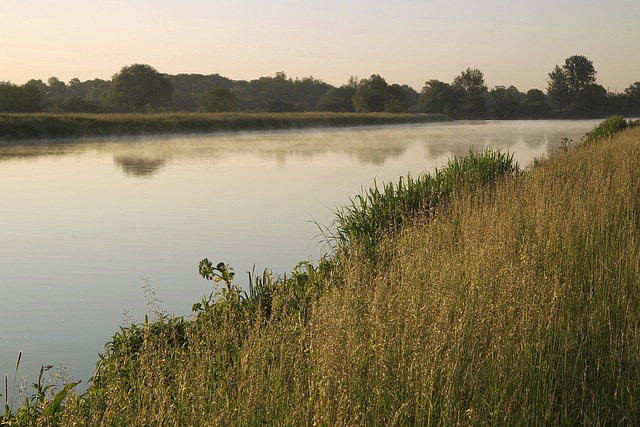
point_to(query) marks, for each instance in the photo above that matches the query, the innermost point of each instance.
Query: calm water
(81, 222)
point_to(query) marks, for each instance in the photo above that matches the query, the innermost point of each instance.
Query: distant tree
(97, 90)
(436, 97)
(534, 104)
(56, 88)
(471, 81)
(632, 99)
(506, 101)
(472, 85)
(370, 95)
(42, 87)
(75, 104)
(396, 99)
(280, 106)
(308, 91)
(592, 101)
(558, 89)
(188, 88)
(20, 99)
(139, 87)
(567, 85)
(339, 100)
(75, 88)
(217, 100)
(412, 97)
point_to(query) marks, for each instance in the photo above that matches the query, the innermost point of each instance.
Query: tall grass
(381, 210)
(515, 307)
(515, 304)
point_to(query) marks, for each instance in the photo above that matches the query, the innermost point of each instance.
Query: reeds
(379, 211)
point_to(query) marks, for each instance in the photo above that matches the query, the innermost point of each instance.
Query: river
(81, 221)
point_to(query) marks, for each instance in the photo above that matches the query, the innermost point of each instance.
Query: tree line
(571, 92)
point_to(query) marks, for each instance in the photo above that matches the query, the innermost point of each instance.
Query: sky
(513, 42)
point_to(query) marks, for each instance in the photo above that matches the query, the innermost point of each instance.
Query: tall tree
(337, 99)
(396, 99)
(568, 86)
(370, 95)
(507, 101)
(140, 87)
(471, 83)
(20, 99)
(217, 100)
(535, 104)
(438, 97)
(632, 99)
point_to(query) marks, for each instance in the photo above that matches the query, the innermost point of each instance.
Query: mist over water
(81, 221)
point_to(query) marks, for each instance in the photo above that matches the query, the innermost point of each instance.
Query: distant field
(39, 126)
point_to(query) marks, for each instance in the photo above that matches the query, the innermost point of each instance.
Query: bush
(607, 129)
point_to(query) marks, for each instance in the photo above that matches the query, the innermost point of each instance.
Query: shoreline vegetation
(479, 294)
(77, 125)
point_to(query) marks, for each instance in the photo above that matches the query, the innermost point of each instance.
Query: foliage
(375, 95)
(20, 99)
(380, 211)
(607, 129)
(535, 104)
(370, 95)
(507, 101)
(572, 86)
(140, 87)
(338, 100)
(43, 406)
(280, 106)
(438, 97)
(472, 85)
(217, 100)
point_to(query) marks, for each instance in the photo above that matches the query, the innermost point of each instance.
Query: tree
(217, 100)
(567, 85)
(507, 101)
(20, 99)
(370, 95)
(140, 87)
(396, 99)
(436, 97)
(592, 100)
(472, 85)
(558, 89)
(632, 99)
(534, 104)
(280, 106)
(337, 99)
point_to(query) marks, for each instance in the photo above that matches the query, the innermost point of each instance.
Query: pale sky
(514, 42)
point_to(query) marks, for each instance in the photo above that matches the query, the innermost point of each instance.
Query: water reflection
(145, 157)
(139, 166)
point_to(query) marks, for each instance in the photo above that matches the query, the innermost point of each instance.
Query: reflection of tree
(139, 166)
(377, 155)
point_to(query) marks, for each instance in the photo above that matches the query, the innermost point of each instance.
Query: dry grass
(519, 306)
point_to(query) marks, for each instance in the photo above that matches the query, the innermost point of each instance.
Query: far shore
(14, 127)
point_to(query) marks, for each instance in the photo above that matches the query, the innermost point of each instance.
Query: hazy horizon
(408, 42)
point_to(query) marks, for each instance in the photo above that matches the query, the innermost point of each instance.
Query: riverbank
(509, 303)
(41, 126)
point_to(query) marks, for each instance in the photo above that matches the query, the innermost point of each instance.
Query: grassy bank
(512, 303)
(35, 126)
